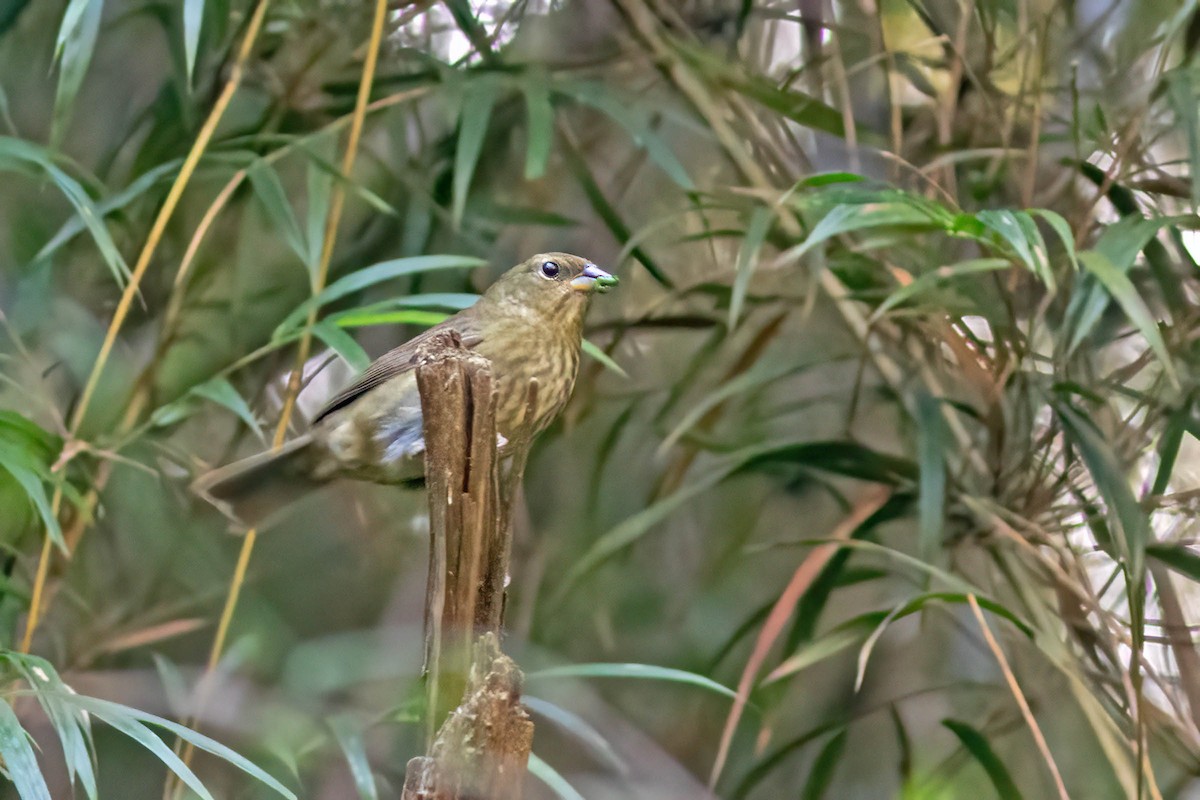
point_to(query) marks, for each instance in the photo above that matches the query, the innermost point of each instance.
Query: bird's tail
(253, 490)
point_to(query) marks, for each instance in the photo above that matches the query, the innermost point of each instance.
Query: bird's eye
(550, 269)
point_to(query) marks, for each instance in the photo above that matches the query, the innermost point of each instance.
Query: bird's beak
(593, 279)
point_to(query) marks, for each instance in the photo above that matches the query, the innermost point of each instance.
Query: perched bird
(528, 324)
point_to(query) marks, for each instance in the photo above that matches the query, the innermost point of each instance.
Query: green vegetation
(879, 481)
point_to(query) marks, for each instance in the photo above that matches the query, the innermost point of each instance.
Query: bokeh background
(916, 275)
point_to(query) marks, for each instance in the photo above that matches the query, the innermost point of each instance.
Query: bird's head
(557, 283)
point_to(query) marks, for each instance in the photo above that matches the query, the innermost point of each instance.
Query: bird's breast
(553, 365)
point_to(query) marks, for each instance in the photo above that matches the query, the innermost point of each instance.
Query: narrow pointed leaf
(473, 125)
(556, 783)
(19, 758)
(193, 18)
(977, 745)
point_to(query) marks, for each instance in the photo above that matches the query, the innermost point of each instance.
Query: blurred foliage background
(917, 277)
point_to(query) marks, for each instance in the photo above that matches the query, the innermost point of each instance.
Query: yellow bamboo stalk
(135, 279)
(337, 203)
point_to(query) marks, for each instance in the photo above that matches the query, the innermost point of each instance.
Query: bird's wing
(400, 360)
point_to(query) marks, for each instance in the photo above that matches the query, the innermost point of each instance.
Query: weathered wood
(483, 748)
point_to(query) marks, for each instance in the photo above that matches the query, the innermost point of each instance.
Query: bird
(528, 324)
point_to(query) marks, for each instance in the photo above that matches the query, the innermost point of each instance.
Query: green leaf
(220, 391)
(821, 774)
(270, 192)
(1113, 486)
(348, 733)
(1063, 231)
(604, 358)
(354, 319)
(15, 153)
(123, 718)
(1168, 448)
(857, 216)
(72, 725)
(610, 216)
(638, 671)
(1123, 291)
(24, 471)
(816, 651)
(343, 344)
(636, 117)
(547, 775)
(319, 158)
(977, 745)
(73, 226)
(193, 19)
(477, 104)
(1182, 95)
(929, 280)
(747, 259)
(1178, 557)
(540, 115)
(318, 188)
(931, 503)
(1017, 229)
(19, 758)
(148, 739)
(759, 375)
(579, 729)
(633, 528)
(73, 51)
(1120, 243)
(369, 276)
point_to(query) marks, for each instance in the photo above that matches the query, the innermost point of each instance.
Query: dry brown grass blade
(781, 612)
(1019, 696)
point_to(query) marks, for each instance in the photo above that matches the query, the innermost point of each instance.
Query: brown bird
(529, 324)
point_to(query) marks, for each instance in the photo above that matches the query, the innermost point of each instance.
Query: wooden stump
(482, 750)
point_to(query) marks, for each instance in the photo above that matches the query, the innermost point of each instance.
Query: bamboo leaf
(821, 774)
(636, 117)
(349, 737)
(929, 280)
(977, 745)
(1182, 559)
(1016, 228)
(25, 471)
(1062, 230)
(579, 729)
(16, 153)
(592, 351)
(747, 260)
(1182, 95)
(343, 344)
(271, 194)
(1113, 486)
(816, 651)
(193, 19)
(477, 104)
(73, 51)
(220, 391)
(637, 671)
(540, 121)
(130, 721)
(370, 276)
(19, 759)
(556, 783)
(1123, 291)
(931, 502)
